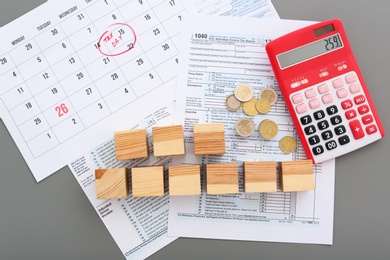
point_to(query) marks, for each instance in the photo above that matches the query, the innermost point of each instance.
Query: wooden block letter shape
(131, 144)
(260, 177)
(297, 175)
(111, 183)
(222, 178)
(148, 181)
(184, 180)
(209, 139)
(168, 140)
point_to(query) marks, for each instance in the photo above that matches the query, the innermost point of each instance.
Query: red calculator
(324, 90)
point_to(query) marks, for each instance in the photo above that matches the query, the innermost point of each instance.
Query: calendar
(73, 72)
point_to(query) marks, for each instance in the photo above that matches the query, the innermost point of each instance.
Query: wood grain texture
(168, 140)
(111, 183)
(184, 180)
(131, 144)
(260, 177)
(297, 175)
(209, 139)
(147, 181)
(222, 178)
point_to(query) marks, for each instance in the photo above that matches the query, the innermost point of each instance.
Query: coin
(232, 103)
(269, 94)
(263, 105)
(250, 107)
(288, 144)
(245, 127)
(243, 92)
(268, 129)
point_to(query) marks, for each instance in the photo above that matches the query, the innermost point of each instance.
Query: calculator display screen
(310, 51)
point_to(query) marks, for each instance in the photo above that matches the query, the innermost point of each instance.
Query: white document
(138, 225)
(72, 72)
(216, 53)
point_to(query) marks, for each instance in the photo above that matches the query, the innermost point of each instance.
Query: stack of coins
(243, 98)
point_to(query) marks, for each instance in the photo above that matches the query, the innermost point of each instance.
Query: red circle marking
(108, 31)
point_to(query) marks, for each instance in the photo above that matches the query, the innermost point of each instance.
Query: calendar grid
(72, 86)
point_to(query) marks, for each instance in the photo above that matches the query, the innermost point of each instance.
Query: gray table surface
(54, 219)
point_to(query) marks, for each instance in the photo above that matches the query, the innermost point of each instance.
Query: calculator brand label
(118, 39)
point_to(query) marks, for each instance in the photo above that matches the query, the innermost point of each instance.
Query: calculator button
(350, 114)
(332, 110)
(342, 93)
(302, 108)
(318, 150)
(371, 129)
(328, 98)
(363, 109)
(319, 115)
(346, 104)
(359, 99)
(306, 120)
(336, 120)
(310, 129)
(327, 135)
(314, 140)
(350, 78)
(338, 83)
(323, 125)
(344, 140)
(356, 129)
(354, 88)
(367, 119)
(322, 89)
(310, 93)
(331, 145)
(314, 103)
(297, 98)
(340, 130)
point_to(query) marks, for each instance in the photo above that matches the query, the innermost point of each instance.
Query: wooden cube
(209, 139)
(111, 183)
(168, 140)
(131, 144)
(148, 181)
(184, 180)
(297, 175)
(222, 178)
(260, 177)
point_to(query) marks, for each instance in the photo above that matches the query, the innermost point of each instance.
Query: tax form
(138, 225)
(216, 53)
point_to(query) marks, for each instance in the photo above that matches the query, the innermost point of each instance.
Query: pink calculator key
(314, 103)
(310, 93)
(338, 83)
(342, 93)
(354, 88)
(323, 88)
(297, 98)
(350, 78)
(367, 119)
(302, 108)
(328, 98)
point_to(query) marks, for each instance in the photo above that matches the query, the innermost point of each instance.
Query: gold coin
(232, 103)
(269, 94)
(245, 127)
(243, 92)
(250, 107)
(268, 129)
(288, 144)
(263, 106)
